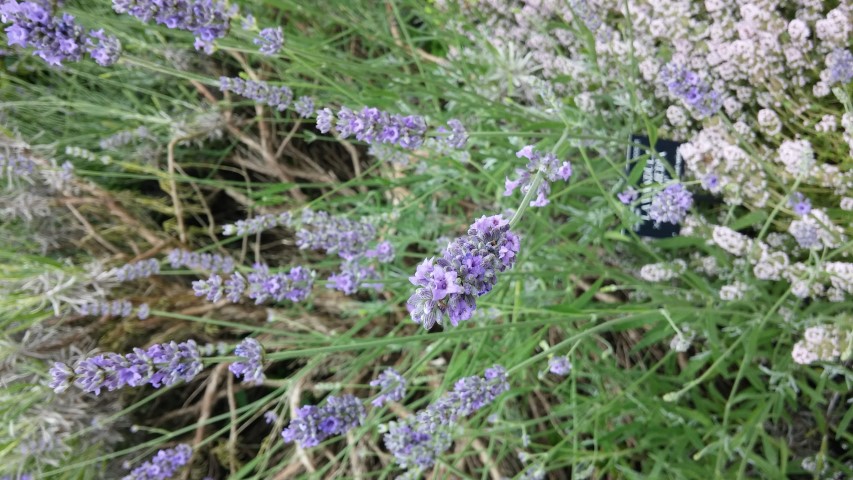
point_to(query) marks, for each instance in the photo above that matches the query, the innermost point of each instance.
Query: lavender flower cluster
(418, 441)
(16, 166)
(209, 262)
(350, 239)
(257, 224)
(55, 39)
(159, 365)
(278, 97)
(136, 270)
(671, 204)
(689, 87)
(164, 465)
(206, 19)
(252, 367)
(467, 269)
(270, 40)
(115, 308)
(314, 424)
(372, 125)
(320, 230)
(548, 164)
(259, 285)
(392, 387)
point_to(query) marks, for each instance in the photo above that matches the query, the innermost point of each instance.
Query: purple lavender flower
(160, 365)
(211, 288)
(235, 287)
(688, 86)
(213, 263)
(671, 204)
(304, 106)
(270, 416)
(115, 308)
(206, 19)
(628, 196)
(164, 465)
(800, 203)
(143, 311)
(261, 92)
(392, 387)
(136, 270)
(560, 365)
(271, 40)
(314, 424)
(252, 370)
(354, 275)
(839, 65)
(325, 117)
(294, 285)
(456, 136)
(372, 125)
(334, 234)
(711, 182)
(16, 166)
(467, 269)
(104, 49)
(552, 168)
(61, 377)
(54, 38)
(383, 252)
(248, 22)
(418, 441)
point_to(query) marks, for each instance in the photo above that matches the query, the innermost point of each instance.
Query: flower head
(164, 465)
(271, 40)
(671, 204)
(559, 365)
(252, 367)
(392, 387)
(468, 268)
(314, 424)
(159, 365)
(548, 164)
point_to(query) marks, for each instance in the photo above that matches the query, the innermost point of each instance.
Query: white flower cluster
(822, 344)
(661, 272)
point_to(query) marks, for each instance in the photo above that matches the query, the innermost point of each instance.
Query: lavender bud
(164, 465)
(252, 369)
(314, 424)
(271, 40)
(392, 387)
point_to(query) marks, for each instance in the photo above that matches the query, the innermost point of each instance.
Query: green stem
(534, 186)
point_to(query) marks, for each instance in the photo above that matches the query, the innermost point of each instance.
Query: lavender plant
(747, 112)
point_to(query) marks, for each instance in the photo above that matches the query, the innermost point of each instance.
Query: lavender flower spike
(392, 387)
(456, 136)
(252, 369)
(278, 97)
(548, 163)
(671, 204)
(159, 365)
(468, 268)
(271, 40)
(54, 38)
(164, 465)
(304, 106)
(372, 125)
(689, 87)
(314, 424)
(418, 441)
(559, 365)
(206, 19)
